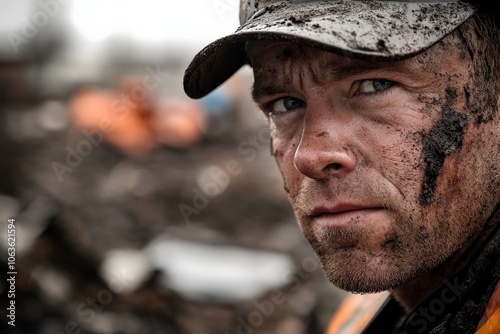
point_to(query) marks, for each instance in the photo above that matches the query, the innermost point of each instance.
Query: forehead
(260, 52)
(276, 60)
(265, 54)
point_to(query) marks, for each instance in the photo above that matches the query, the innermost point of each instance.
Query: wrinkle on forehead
(278, 64)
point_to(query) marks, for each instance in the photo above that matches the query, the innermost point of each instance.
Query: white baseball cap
(369, 29)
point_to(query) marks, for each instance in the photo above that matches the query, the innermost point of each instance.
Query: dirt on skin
(445, 137)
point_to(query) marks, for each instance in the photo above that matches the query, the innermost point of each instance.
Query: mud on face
(445, 137)
(477, 44)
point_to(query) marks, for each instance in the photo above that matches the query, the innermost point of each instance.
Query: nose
(324, 150)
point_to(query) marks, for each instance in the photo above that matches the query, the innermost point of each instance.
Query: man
(385, 124)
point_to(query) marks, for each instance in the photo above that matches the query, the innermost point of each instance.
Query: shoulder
(355, 312)
(490, 322)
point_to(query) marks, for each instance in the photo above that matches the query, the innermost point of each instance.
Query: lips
(339, 208)
(342, 213)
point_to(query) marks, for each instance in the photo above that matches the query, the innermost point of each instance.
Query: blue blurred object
(217, 103)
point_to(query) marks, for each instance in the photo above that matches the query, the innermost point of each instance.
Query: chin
(362, 273)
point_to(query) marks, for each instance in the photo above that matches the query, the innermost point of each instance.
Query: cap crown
(249, 7)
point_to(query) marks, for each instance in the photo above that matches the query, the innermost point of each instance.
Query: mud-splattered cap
(366, 28)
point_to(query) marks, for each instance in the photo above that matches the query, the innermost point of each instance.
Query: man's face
(386, 167)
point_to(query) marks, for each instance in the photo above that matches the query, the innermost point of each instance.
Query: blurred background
(137, 209)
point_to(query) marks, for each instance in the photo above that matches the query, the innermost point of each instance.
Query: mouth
(342, 214)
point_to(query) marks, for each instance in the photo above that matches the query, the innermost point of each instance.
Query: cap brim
(366, 29)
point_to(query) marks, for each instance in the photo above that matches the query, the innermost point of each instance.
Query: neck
(412, 294)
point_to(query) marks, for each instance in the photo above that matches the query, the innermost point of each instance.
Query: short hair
(480, 39)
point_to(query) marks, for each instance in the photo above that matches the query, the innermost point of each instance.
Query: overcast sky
(157, 20)
(149, 20)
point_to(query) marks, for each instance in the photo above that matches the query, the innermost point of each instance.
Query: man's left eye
(375, 85)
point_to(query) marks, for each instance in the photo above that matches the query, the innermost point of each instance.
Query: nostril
(334, 166)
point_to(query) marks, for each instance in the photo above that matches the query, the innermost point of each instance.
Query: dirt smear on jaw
(445, 137)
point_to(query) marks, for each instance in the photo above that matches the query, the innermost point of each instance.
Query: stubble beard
(408, 250)
(351, 267)
(396, 255)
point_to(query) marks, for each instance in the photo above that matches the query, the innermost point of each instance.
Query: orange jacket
(356, 312)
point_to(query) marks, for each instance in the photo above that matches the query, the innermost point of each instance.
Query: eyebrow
(354, 68)
(266, 89)
(269, 85)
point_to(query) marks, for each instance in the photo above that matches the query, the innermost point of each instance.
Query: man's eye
(375, 85)
(286, 104)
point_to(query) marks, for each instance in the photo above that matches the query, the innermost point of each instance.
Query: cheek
(283, 149)
(391, 143)
(469, 187)
(395, 159)
(458, 190)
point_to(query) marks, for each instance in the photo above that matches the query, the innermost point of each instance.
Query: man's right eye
(286, 104)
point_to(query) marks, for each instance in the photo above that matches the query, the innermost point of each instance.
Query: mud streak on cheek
(444, 138)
